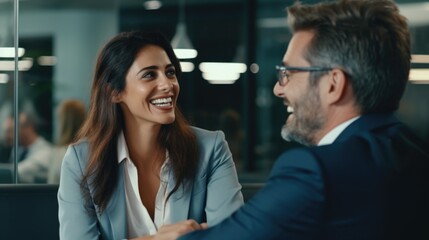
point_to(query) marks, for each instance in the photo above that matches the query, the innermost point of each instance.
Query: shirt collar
(122, 148)
(123, 153)
(38, 143)
(334, 133)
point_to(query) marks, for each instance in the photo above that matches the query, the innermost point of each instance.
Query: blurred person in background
(71, 114)
(6, 141)
(138, 164)
(33, 150)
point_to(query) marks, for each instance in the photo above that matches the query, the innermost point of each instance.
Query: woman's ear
(116, 97)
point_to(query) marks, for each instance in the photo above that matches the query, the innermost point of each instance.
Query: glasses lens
(281, 76)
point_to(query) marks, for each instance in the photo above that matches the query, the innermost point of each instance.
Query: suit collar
(368, 122)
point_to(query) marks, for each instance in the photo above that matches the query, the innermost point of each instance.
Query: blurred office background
(227, 85)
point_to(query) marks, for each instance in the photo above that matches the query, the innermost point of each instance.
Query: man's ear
(337, 86)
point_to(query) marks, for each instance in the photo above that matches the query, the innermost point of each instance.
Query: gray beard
(308, 119)
(290, 136)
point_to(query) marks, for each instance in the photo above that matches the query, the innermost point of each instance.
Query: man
(33, 151)
(6, 143)
(363, 174)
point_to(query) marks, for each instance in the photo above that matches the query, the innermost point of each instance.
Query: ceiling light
(222, 67)
(181, 43)
(183, 53)
(9, 52)
(419, 58)
(420, 75)
(4, 78)
(47, 60)
(221, 76)
(416, 13)
(222, 72)
(152, 5)
(187, 66)
(23, 65)
(222, 82)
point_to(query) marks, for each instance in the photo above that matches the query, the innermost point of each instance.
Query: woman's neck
(143, 144)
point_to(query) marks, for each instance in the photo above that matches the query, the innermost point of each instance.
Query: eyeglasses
(283, 75)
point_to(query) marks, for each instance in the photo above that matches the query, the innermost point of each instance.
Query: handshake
(174, 231)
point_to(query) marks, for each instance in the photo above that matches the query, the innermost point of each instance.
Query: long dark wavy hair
(105, 120)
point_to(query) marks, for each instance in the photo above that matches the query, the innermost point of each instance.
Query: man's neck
(335, 132)
(334, 119)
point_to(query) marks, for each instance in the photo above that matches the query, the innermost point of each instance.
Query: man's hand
(173, 231)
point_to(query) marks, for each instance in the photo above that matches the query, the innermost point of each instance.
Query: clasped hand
(174, 231)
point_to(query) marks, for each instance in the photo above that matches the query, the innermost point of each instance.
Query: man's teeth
(162, 101)
(289, 109)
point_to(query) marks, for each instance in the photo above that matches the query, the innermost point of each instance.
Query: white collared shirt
(34, 168)
(334, 133)
(139, 222)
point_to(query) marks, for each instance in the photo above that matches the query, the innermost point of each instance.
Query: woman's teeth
(289, 109)
(162, 102)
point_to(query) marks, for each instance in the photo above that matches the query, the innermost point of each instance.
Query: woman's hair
(369, 40)
(105, 119)
(71, 114)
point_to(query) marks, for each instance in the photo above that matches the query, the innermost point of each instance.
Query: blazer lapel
(179, 201)
(116, 212)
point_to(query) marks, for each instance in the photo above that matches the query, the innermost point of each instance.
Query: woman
(71, 114)
(138, 165)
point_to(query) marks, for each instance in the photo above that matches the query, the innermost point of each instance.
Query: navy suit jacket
(370, 184)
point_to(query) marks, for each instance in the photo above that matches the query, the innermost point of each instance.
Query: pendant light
(181, 44)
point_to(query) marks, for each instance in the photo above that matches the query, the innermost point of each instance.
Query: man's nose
(278, 90)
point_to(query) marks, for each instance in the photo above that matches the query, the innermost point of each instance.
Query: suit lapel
(179, 201)
(116, 212)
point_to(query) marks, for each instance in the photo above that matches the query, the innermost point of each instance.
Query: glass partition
(7, 67)
(61, 41)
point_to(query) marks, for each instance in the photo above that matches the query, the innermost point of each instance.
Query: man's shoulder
(321, 156)
(375, 149)
(298, 158)
(41, 143)
(315, 152)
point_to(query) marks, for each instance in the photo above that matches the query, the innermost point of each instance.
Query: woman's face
(151, 88)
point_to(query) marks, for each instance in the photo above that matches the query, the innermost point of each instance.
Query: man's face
(8, 128)
(307, 116)
(8, 131)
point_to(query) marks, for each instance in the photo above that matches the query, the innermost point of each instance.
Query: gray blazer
(215, 194)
